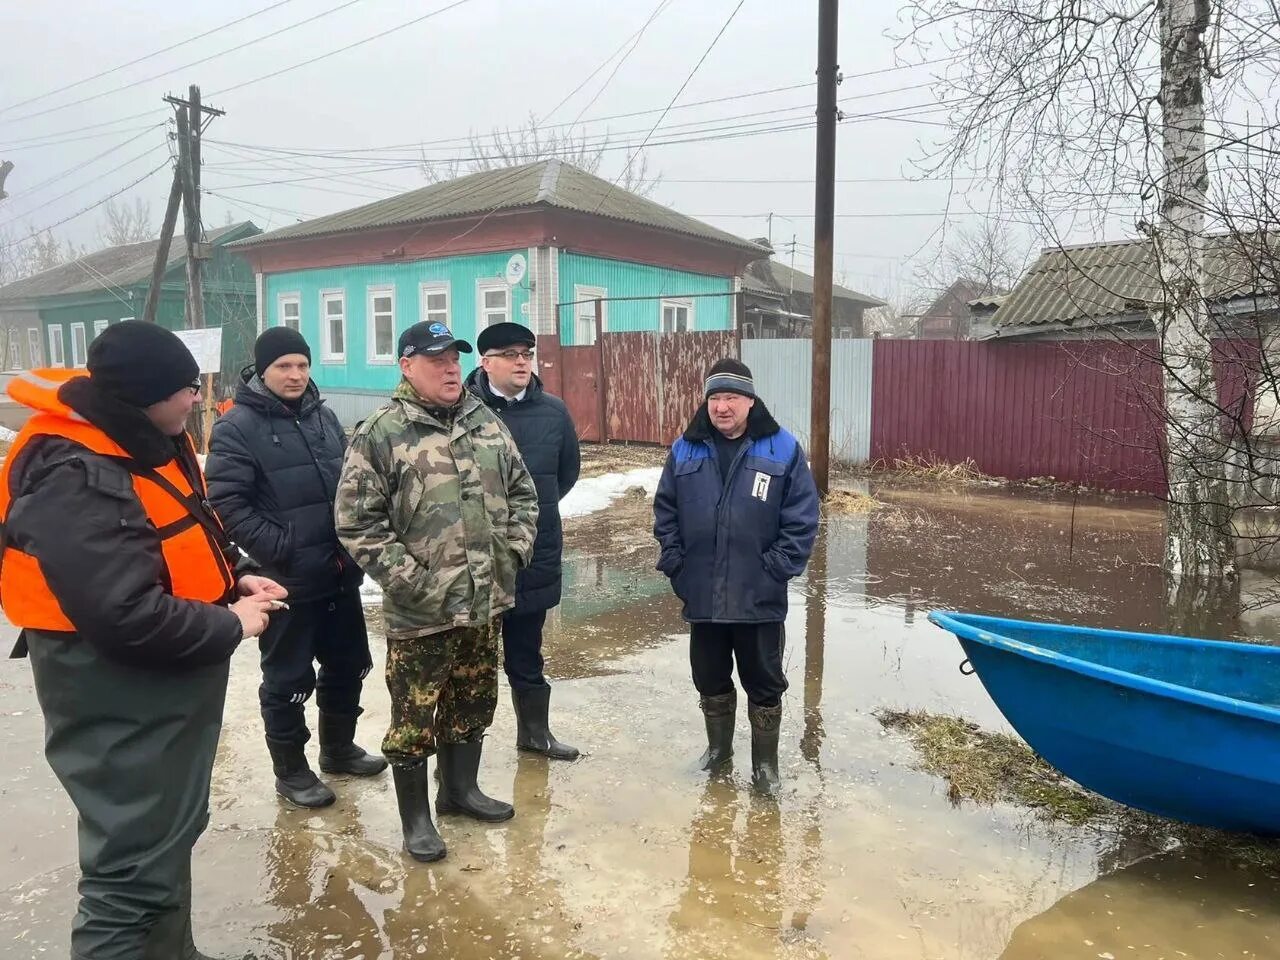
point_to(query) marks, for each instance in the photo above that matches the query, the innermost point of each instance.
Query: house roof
(1109, 282)
(546, 183)
(771, 277)
(954, 301)
(121, 266)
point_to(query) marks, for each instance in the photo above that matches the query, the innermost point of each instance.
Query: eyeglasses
(513, 355)
(194, 385)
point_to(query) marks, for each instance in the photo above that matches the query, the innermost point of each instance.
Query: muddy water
(632, 853)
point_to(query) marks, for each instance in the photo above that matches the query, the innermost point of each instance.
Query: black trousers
(331, 632)
(134, 750)
(522, 650)
(757, 648)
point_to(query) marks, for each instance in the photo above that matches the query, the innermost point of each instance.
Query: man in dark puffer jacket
(273, 467)
(543, 430)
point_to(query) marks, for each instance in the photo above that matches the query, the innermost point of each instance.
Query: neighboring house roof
(1097, 284)
(546, 183)
(113, 267)
(953, 302)
(773, 278)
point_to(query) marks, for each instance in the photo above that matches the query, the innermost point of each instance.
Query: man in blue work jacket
(735, 517)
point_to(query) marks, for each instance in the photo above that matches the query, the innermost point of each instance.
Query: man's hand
(253, 614)
(260, 587)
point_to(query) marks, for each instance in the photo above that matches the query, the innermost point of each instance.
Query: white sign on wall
(205, 345)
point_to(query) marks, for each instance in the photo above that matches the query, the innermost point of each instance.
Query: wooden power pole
(190, 119)
(823, 240)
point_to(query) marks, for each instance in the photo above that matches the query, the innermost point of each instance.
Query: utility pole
(191, 120)
(823, 243)
(5, 167)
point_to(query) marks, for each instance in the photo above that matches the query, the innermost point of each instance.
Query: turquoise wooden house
(536, 244)
(50, 318)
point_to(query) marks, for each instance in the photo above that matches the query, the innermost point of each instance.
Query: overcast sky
(351, 119)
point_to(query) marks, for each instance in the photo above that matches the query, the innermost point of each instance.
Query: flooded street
(631, 852)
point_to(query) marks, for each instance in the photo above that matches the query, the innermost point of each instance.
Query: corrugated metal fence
(781, 370)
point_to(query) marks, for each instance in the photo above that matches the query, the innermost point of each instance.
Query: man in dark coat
(548, 442)
(735, 516)
(273, 466)
(124, 586)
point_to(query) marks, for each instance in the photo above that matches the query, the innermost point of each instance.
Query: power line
(187, 66)
(706, 53)
(92, 206)
(80, 166)
(63, 196)
(657, 11)
(149, 56)
(574, 92)
(350, 46)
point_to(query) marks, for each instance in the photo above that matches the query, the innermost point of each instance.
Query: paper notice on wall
(206, 346)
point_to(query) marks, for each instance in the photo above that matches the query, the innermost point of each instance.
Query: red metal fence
(1084, 412)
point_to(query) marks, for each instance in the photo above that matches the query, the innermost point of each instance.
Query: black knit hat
(140, 363)
(276, 342)
(729, 376)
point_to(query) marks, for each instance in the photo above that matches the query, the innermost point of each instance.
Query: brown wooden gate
(652, 382)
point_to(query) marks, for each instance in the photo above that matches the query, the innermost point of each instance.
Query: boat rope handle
(967, 668)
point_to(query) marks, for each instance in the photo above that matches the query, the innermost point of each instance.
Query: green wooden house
(536, 244)
(50, 318)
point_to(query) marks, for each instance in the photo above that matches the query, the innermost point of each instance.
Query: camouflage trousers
(444, 689)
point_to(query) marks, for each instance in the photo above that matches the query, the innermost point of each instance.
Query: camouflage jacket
(440, 514)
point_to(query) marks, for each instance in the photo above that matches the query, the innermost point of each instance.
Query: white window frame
(57, 347)
(13, 350)
(678, 303)
(34, 348)
(426, 289)
(79, 346)
(584, 314)
(482, 313)
(100, 327)
(327, 353)
(294, 298)
(381, 290)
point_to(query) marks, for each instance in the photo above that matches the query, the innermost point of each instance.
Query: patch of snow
(597, 493)
(370, 592)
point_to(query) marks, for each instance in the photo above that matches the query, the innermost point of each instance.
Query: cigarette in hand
(278, 605)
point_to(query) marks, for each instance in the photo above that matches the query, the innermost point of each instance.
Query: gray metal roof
(550, 183)
(774, 278)
(1107, 282)
(121, 266)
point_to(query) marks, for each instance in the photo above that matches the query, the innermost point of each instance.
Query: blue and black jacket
(730, 548)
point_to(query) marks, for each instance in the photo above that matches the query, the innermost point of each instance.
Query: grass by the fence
(848, 501)
(601, 458)
(933, 470)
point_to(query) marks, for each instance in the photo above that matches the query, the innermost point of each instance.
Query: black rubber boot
(720, 712)
(459, 765)
(532, 730)
(295, 781)
(338, 750)
(421, 839)
(765, 722)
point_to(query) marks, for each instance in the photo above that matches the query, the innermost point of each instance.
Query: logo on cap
(439, 329)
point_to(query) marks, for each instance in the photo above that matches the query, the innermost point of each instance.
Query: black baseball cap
(505, 335)
(430, 337)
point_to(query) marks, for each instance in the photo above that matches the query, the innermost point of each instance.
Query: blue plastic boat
(1188, 729)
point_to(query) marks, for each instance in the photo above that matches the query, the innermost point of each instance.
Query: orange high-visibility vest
(195, 565)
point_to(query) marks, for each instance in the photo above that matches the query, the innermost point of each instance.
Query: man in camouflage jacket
(435, 504)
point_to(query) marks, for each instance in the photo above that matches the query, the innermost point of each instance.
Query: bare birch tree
(529, 142)
(1092, 113)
